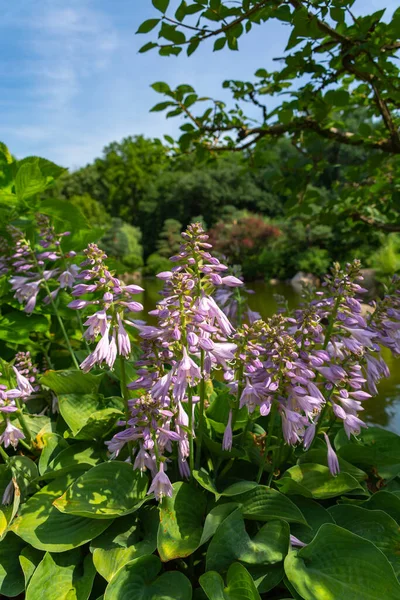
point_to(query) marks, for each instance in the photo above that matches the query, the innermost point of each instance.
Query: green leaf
(70, 382)
(138, 579)
(130, 537)
(29, 180)
(240, 585)
(316, 481)
(320, 456)
(239, 487)
(53, 444)
(161, 87)
(29, 559)
(337, 97)
(148, 25)
(12, 580)
(87, 415)
(386, 501)
(219, 43)
(232, 542)
(264, 503)
(62, 577)
(17, 326)
(161, 106)
(181, 522)
(148, 46)
(214, 519)
(315, 514)
(339, 565)
(79, 457)
(266, 577)
(45, 528)
(106, 491)
(206, 481)
(373, 525)
(160, 5)
(24, 470)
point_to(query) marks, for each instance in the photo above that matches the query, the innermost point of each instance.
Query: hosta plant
(188, 454)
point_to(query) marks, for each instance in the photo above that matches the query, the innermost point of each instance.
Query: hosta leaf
(319, 455)
(25, 471)
(29, 559)
(78, 457)
(11, 576)
(386, 501)
(181, 522)
(53, 444)
(71, 382)
(129, 537)
(232, 542)
(315, 514)
(374, 525)
(214, 519)
(66, 576)
(138, 579)
(240, 585)
(106, 491)
(317, 482)
(46, 528)
(266, 577)
(87, 415)
(263, 504)
(339, 565)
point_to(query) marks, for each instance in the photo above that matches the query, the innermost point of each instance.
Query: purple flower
(333, 462)
(11, 435)
(161, 485)
(187, 373)
(23, 384)
(227, 440)
(124, 344)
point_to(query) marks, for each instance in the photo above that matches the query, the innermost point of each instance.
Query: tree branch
(388, 227)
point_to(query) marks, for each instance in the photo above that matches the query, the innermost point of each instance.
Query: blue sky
(72, 79)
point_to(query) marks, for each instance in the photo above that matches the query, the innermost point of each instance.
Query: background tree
(348, 66)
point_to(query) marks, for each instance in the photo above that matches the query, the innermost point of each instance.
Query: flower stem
(268, 442)
(4, 455)
(201, 411)
(61, 323)
(190, 408)
(82, 331)
(239, 377)
(24, 424)
(124, 394)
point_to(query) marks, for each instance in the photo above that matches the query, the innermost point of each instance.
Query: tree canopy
(337, 82)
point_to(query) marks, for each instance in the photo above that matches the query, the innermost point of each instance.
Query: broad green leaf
(232, 542)
(129, 537)
(63, 214)
(320, 456)
(66, 576)
(29, 180)
(138, 579)
(71, 382)
(53, 444)
(79, 457)
(373, 525)
(205, 480)
(317, 481)
(29, 559)
(8, 509)
(214, 519)
(87, 415)
(386, 501)
(266, 577)
(17, 326)
(339, 565)
(315, 514)
(264, 504)
(240, 487)
(181, 522)
(106, 491)
(12, 580)
(46, 528)
(240, 585)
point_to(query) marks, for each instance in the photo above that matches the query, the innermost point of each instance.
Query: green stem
(191, 449)
(24, 424)
(82, 331)
(125, 396)
(268, 441)
(4, 455)
(276, 456)
(331, 322)
(201, 412)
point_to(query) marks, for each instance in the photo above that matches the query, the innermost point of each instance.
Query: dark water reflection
(383, 410)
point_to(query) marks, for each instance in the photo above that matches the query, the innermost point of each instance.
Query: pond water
(383, 410)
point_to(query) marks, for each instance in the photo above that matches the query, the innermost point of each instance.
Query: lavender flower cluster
(323, 359)
(28, 266)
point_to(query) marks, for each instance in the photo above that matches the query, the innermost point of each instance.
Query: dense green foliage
(75, 524)
(179, 188)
